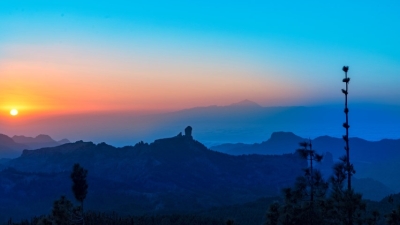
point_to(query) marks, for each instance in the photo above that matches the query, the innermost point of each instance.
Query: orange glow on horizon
(47, 80)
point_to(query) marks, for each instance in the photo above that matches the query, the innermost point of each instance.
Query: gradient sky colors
(76, 56)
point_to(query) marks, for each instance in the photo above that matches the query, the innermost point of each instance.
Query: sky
(68, 57)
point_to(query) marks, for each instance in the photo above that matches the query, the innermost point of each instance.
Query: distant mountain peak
(63, 141)
(44, 138)
(41, 138)
(4, 139)
(282, 136)
(246, 103)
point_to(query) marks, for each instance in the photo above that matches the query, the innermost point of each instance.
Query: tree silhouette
(373, 220)
(304, 203)
(310, 155)
(345, 206)
(273, 214)
(79, 186)
(62, 211)
(44, 221)
(393, 218)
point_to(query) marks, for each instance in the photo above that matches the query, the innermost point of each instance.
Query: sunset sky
(60, 57)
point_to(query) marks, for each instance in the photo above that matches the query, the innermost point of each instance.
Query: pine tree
(310, 155)
(304, 203)
(62, 212)
(344, 206)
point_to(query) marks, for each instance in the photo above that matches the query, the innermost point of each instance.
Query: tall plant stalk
(347, 126)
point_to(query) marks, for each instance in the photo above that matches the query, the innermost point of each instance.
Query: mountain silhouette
(287, 142)
(40, 141)
(377, 160)
(224, 124)
(245, 104)
(177, 174)
(41, 138)
(12, 147)
(9, 148)
(279, 143)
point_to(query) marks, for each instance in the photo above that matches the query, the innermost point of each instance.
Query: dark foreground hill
(169, 175)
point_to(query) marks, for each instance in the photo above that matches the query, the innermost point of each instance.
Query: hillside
(372, 159)
(177, 174)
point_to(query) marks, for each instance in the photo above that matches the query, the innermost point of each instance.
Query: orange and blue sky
(60, 57)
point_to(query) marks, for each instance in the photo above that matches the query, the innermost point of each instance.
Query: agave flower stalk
(349, 167)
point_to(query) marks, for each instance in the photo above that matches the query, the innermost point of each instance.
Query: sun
(14, 112)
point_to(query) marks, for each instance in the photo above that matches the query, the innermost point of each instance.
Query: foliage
(304, 203)
(273, 214)
(79, 186)
(62, 211)
(97, 218)
(332, 203)
(45, 221)
(393, 218)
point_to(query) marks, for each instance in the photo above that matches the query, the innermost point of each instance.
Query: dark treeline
(96, 218)
(243, 214)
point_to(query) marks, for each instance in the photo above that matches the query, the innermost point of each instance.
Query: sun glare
(14, 112)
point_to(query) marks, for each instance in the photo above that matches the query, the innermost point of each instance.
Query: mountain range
(11, 147)
(372, 159)
(245, 121)
(177, 174)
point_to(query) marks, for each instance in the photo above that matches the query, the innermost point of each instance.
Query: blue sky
(299, 44)
(71, 57)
